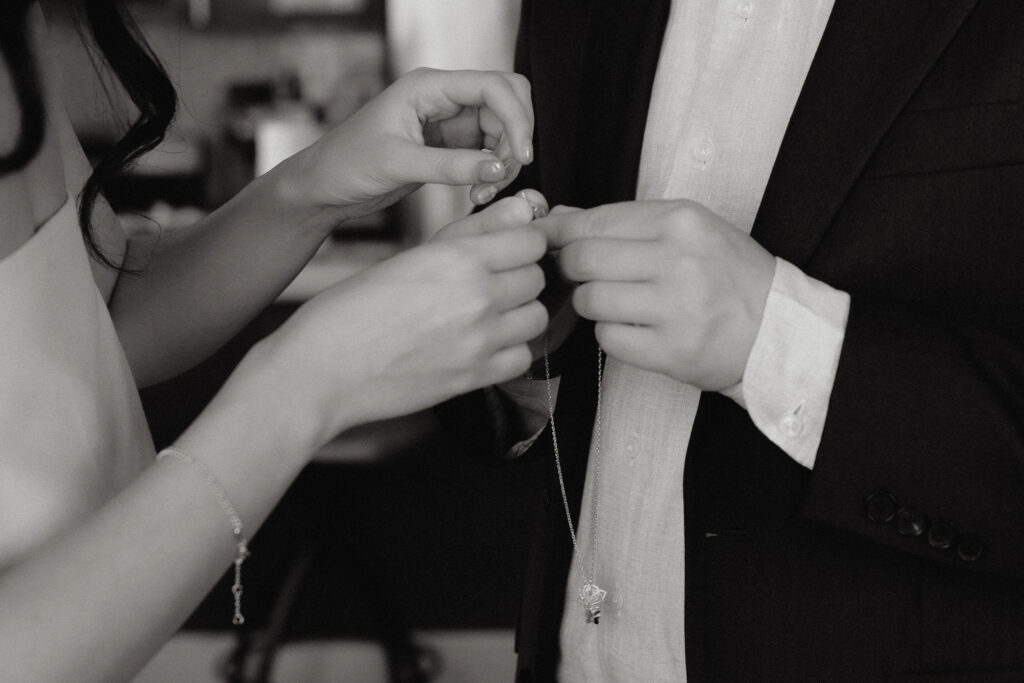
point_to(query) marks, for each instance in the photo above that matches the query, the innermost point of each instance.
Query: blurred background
(397, 555)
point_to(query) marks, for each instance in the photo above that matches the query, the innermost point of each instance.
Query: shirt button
(791, 426)
(703, 151)
(633, 448)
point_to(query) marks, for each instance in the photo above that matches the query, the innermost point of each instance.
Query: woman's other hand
(557, 294)
(438, 320)
(452, 127)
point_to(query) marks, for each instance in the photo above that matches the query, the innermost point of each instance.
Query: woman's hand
(429, 126)
(435, 321)
(557, 294)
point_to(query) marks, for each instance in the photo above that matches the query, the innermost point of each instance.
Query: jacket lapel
(600, 105)
(872, 56)
(591, 108)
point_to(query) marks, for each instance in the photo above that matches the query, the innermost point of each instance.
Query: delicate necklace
(590, 594)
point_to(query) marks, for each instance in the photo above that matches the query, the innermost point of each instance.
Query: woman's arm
(198, 288)
(439, 319)
(98, 602)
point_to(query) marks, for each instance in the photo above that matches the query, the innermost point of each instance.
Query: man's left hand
(673, 287)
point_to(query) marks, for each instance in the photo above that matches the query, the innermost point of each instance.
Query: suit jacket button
(910, 522)
(941, 534)
(880, 507)
(970, 548)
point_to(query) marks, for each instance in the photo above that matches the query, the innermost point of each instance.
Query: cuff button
(791, 426)
(970, 548)
(910, 522)
(880, 507)
(941, 534)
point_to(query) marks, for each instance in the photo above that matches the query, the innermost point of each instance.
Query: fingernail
(491, 171)
(486, 194)
(528, 153)
(539, 210)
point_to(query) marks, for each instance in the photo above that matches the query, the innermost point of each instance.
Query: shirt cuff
(789, 375)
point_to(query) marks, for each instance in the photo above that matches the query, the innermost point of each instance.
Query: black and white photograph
(471, 341)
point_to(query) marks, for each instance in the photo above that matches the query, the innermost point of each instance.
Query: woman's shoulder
(32, 194)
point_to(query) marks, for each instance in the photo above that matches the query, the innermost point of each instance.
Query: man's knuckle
(539, 318)
(519, 81)
(519, 359)
(603, 333)
(601, 221)
(585, 259)
(682, 215)
(537, 280)
(583, 299)
(537, 244)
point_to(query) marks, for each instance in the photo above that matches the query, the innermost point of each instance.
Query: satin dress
(72, 429)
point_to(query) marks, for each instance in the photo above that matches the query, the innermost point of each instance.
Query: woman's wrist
(288, 390)
(288, 187)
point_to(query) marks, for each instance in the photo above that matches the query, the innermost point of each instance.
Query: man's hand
(673, 287)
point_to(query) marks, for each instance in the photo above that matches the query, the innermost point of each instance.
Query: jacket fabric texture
(900, 180)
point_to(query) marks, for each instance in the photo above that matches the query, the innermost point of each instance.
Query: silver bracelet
(236, 522)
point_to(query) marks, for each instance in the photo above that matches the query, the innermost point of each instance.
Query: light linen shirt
(728, 78)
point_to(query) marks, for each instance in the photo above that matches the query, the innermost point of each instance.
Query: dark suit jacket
(901, 181)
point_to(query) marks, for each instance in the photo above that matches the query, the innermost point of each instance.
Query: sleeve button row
(882, 507)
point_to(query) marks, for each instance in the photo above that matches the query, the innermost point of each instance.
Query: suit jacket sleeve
(923, 446)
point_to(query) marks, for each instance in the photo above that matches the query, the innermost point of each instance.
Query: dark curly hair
(114, 33)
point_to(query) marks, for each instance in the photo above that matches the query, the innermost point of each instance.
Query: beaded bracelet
(236, 522)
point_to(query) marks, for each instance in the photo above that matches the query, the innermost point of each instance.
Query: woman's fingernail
(491, 171)
(539, 210)
(528, 153)
(486, 194)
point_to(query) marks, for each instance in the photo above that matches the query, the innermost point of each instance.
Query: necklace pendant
(592, 595)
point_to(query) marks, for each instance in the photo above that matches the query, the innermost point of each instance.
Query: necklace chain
(590, 594)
